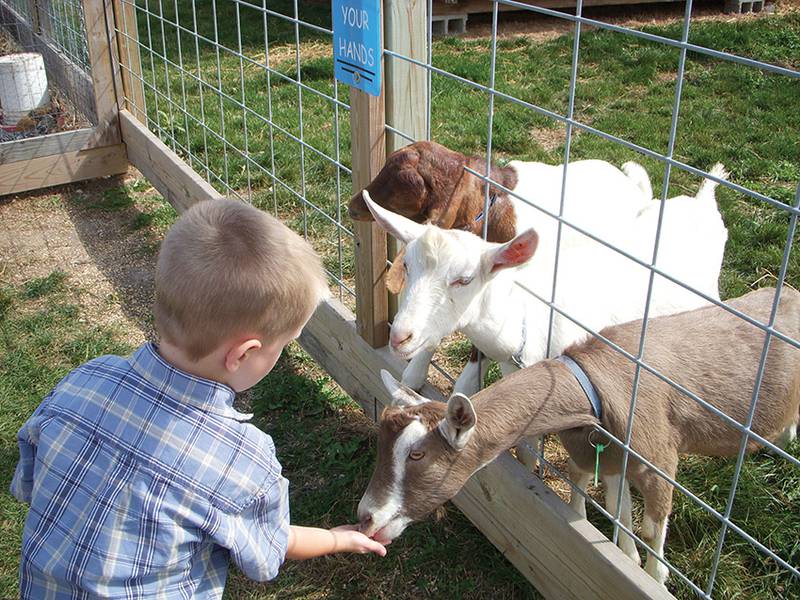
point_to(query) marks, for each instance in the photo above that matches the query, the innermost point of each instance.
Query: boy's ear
(237, 353)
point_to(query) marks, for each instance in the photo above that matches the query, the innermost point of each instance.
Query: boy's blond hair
(227, 269)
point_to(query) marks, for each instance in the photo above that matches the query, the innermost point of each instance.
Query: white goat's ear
(459, 422)
(402, 396)
(514, 253)
(400, 227)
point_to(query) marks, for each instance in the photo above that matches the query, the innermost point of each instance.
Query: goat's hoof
(657, 571)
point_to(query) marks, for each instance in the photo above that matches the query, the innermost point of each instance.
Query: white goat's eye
(462, 281)
(405, 266)
(416, 455)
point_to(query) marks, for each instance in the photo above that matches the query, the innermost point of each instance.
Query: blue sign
(357, 44)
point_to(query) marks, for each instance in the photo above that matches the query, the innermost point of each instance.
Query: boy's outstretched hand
(357, 542)
(308, 542)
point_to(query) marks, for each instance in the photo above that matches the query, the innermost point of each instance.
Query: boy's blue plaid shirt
(142, 481)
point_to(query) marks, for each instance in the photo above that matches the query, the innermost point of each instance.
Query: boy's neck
(209, 367)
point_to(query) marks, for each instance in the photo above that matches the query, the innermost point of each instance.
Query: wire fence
(238, 116)
(56, 30)
(61, 22)
(244, 91)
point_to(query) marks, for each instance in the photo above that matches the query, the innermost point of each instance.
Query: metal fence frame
(133, 52)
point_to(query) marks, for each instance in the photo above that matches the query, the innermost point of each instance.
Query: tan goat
(427, 450)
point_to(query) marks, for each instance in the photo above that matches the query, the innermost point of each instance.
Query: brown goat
(427, 450)
(426, 182)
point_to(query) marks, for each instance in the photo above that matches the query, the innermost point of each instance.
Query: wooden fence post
(125, 17)
(367, 125)
(405, 32)
(105, 75)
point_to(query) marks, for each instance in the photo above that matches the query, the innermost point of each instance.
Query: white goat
(427, 450)
(599, 198)
(456, 281)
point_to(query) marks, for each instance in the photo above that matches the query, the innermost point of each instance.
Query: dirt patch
(550, 138)
(99, 251)
(540, 28)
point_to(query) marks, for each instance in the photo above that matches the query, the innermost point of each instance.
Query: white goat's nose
(399, 337)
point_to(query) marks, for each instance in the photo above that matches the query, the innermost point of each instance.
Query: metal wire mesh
(668, 160)
(56, 31)
(245, 92)
(61, 22)
(216, 94)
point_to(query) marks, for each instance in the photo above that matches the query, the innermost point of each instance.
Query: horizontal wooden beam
(168, 173)
(563, 555)
(58, 169)
(46, 145)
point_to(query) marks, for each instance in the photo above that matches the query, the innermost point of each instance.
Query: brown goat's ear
(402, 396)
(514, 253)
(459, 421)
(396, 275)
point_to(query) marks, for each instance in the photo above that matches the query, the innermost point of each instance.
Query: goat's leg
(655, 534)
(581, 480)
(471, 378)
(624, 541)
(416, 373)
(787, 436)
(657, 494)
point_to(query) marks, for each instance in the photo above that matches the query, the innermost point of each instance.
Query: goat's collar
(516, 358)
(492, 200)
(585, 383)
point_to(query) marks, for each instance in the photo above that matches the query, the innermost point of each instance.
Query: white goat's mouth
(409, 351)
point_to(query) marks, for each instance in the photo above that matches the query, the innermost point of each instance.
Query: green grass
(41, 339)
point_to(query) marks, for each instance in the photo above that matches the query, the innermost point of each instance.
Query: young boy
(142, 478)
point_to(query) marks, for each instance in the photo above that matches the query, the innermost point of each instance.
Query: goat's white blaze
(385, 514)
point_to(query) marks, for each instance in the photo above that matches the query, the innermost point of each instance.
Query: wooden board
(125, 16)
(104, 72)
(176, 181)
(369, 153)
(45, 145)
(71, 79)
(25, 175)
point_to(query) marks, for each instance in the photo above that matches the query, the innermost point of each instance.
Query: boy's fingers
(377, 548)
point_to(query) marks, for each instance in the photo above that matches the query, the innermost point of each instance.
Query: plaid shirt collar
(207, 395)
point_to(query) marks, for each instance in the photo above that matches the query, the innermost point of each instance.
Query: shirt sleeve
(27, 439)
(258, 536)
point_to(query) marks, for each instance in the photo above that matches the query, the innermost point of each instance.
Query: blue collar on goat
(585, 382)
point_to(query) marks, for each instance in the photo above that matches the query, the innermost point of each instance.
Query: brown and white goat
(427, 450)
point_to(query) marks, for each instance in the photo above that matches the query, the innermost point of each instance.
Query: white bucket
(23, 85)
